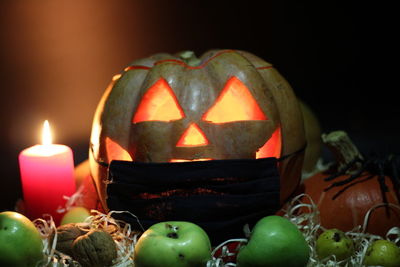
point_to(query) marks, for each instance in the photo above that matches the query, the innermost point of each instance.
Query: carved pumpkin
(346, 192)
(171, 108)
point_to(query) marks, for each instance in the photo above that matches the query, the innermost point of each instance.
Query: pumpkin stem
(189, 58)
(344, 151)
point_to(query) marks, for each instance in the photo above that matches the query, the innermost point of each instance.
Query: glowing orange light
(272, 148)
(159, 103)
(187, 160)
(116, 77)
(235, 103)
(115, 151)
(193, 136)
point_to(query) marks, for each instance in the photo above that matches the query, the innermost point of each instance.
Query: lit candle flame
(46, 134)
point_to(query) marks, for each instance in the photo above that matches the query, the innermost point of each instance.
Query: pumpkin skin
(124, 130)
(313, 131)
(350, 207)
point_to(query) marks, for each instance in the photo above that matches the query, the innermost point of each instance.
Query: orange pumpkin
(344, 198)
(228, 104)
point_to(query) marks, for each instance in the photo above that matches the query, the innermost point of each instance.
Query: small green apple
(382, 253)
(75, 215)
(20, 242)
(274, 241)
(173, 244)
(334, 242)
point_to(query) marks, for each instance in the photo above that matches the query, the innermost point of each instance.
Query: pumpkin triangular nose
(193, 136)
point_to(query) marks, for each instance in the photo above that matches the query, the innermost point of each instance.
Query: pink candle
(47, 174)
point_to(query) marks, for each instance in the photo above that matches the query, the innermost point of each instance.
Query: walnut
(67, 233)
(94, 249)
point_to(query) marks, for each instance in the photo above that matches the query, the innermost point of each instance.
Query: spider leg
(350, 178)
(344, 170)
(350, 185)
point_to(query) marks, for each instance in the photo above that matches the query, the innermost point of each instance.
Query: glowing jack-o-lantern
(228, 104)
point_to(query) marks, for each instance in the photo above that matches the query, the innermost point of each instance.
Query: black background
(338, 56)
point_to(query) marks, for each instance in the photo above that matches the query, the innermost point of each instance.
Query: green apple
(274, 241)
(75, 215)
(20, 242)
(173, 244)
(334, 242)
(382, 253)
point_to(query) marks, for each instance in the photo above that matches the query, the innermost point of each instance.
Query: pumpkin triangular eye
(115, 151)
(273, 147)
(193, 136)
(159, 103)
(235, 103)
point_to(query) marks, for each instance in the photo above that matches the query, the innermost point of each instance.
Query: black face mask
(219, 195)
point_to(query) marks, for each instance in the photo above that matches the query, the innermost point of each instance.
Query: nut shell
(67, 233)
(94, 249)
